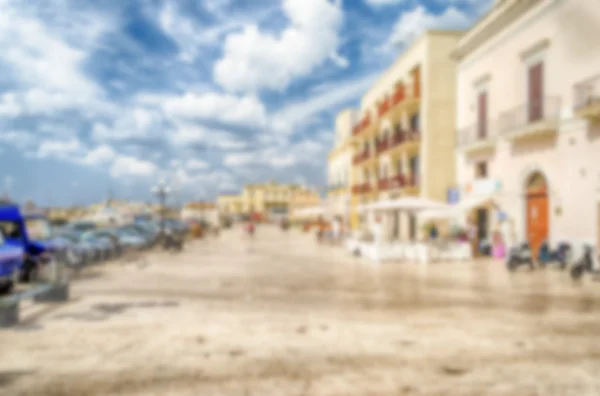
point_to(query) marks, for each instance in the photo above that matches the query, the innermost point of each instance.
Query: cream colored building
(206, 211)
(303, 199)
(230, 204)
(339, 164)
(405, 139)
(265, 199)
(528, 114)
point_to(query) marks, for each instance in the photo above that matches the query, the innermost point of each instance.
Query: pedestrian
(472, 236)
(433, 232)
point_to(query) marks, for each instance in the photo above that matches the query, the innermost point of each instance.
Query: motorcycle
(519, 256)
(560, 256)
(584, 264)
(171, 242)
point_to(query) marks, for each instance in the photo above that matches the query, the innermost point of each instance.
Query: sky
(116, 95)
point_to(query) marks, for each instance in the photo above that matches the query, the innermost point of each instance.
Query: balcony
(477, 137)
(532, 120)
(381, 146)
(398, 138)
(383, 184)
(360, 157)
(398, 181)
(587, 99)
(412, 101)
(361, 188)
(412, 187)
(384, 107)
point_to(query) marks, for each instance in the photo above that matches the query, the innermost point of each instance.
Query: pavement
(281, 315)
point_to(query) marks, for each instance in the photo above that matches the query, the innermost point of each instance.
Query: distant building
(200, 210)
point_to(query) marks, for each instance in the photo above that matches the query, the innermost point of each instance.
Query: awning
(405, 204)
(459, 209)
(309, 212)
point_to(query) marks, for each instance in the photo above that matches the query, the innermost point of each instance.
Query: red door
(482, 116)
(536, 92)
(537, 220)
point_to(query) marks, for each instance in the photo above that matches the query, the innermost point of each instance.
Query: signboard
(483, 187)
(453, 195)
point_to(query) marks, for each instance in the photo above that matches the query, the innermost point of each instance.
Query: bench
(49, 292)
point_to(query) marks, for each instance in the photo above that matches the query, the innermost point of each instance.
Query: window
(481, 170)
(482, 117)
(536, 92)
(414, 122)
(10, 230)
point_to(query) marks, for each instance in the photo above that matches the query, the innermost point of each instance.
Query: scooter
(519, 256)
(584, 264)
(560, 256)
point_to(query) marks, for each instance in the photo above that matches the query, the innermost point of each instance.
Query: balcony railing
(397, 181)
(361, 188)
(360, 157)
(383, 184)
(398, 137)
(381, 145)
(587, 93)
(384, 107)
(399, 95)
(477, 133)
(545, 109)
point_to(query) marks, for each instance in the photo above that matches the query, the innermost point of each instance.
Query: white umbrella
(405, 204)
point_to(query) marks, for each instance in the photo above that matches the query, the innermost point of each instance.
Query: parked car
(86, 250)
(81, 226)
(103, 245)
(11, 259)
(130, 239)
(112, 236)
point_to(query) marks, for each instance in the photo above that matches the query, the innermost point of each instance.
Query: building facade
(405, 139)
(339, 165)
(528, 111)
(265, 200)
(302, 199)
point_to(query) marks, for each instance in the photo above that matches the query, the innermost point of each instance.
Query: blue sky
(117, 94)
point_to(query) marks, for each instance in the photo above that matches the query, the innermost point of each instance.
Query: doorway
(396, 226)
(598, 227)
(538, 214)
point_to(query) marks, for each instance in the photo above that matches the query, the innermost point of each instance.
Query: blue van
(11, 260)
(15, 231)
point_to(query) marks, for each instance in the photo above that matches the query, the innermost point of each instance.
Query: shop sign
(483, 187)
(453, 195)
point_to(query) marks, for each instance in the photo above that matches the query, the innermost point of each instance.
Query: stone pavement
(281, 315)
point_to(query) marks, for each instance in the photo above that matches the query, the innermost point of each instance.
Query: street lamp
(162, 191)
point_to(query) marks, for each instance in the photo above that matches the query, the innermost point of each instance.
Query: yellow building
(302, 199)
(404, 141)
(264, 199)
(230, 204)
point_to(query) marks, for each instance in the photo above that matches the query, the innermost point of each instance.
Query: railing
(381, 146)
(413, 179)
(397, 181)
(361, 188)
(358, 158)
(383, 184)
(547, 108)
(398, 137)
(477, 133)
(399, 95)
(586, 92)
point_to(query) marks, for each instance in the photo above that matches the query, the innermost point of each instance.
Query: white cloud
(196, 164)
(298, 113)
(22, 140)
(229, 109)
(241, 159)
(254, 60)
(59, 149)
(101, 155)
(411, 24)
(124, 166)
(380, 3)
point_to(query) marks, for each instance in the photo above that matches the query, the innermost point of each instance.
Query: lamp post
(162, 191)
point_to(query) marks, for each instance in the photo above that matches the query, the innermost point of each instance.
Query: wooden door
(482, 115)
(537, 220)
(536, 92)
(598, 228)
